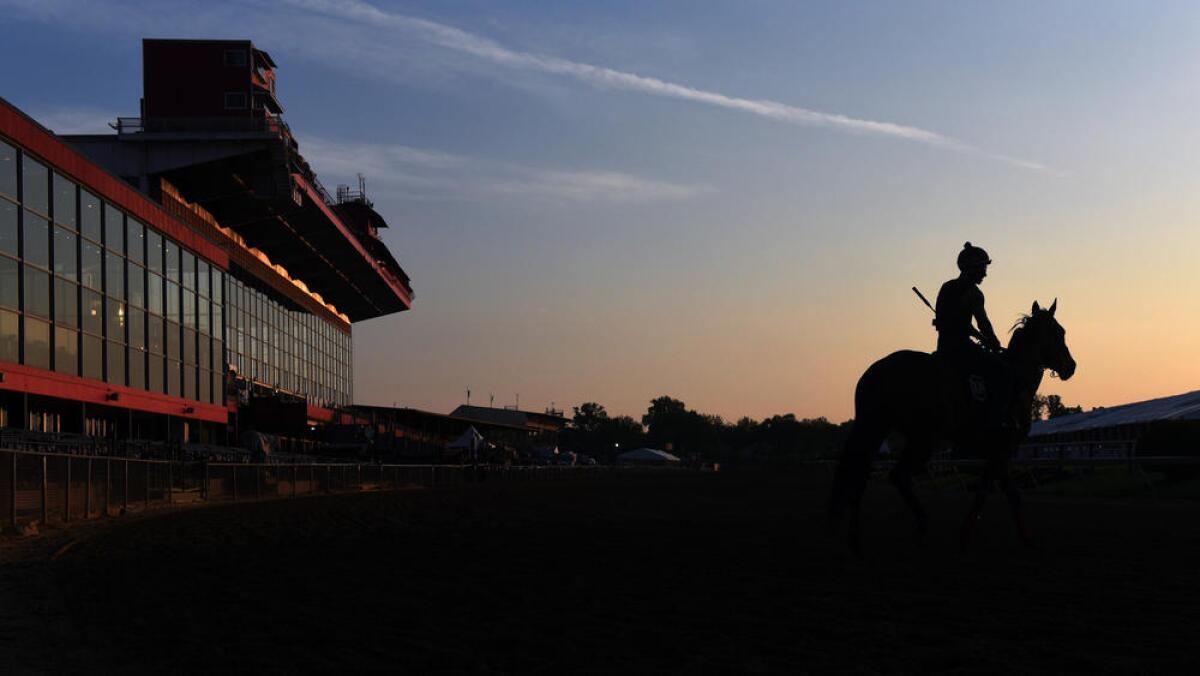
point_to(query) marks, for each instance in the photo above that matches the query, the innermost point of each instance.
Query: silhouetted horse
(907, 393)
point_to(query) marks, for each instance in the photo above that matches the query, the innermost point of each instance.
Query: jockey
(959, 302)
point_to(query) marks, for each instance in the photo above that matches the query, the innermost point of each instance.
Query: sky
(722, 202)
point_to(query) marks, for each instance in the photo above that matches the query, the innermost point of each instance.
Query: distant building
(187, 277)
(548, 423)
(1168, 426)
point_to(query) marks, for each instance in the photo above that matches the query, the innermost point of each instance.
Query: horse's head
(1046, 340)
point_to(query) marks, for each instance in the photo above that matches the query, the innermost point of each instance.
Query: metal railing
(48, 487)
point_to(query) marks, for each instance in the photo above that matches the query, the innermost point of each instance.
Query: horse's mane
(1020, 323)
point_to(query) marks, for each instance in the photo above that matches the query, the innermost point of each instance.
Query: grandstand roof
(1177, 407)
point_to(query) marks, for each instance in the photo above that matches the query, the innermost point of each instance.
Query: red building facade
(184, 277)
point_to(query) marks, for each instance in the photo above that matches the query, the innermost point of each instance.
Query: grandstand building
(186, 278)
(1167, 426)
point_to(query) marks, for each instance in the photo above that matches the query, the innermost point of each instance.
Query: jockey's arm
(987, 335)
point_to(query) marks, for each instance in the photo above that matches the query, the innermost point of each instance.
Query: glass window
(155, 372)
(66, 303)
(202, 277)
(172, 301)
(64, 201)
(155, 334)
(154, 293)
(37, 293)
(93, 313)
(218, 389)
(93, 357)
(137, 286)
(202, 320)
(116, 320)
(173, 385)
(89, 215)
(37, 240)
(171, 260)
(89, 266)
(135, 240)
(114, 228)
(8, 228)
(189, 382)
(115, 275)
(137, 368)
(37, 343)
(8, 170)
(218, 286)
(66, 350)
(10, 283)
(10, 336)
(154, 254)
(189, 269)
(172, 336)
(189, 346)
(205, 352)
(189, 308)
(217, 328)
(35, 188)
(137, 327)
(116, 363)
(65, 255)
(205, 386)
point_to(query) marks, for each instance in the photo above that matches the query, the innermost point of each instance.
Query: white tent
(647, 456)
(469, 441)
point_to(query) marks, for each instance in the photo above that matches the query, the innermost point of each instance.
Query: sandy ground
(687, 572)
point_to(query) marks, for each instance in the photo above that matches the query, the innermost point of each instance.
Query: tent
(646, 456)
(470, 441)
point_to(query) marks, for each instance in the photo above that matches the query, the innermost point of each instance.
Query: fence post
(359, 469)
(45, 507)
(258, 472)
(67, 493)
(204, 490)
(312, 479)
(295, 472)
(87, 508)
(13, 482)
(125, 493)
(233, 468)
(170, 483)
(107, 486)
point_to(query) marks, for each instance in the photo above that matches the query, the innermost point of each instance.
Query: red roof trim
(66, 160)
(387, 277)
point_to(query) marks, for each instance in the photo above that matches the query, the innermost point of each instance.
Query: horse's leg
(990, 474)
(850, 480)
(1014, 503)
(902, 478)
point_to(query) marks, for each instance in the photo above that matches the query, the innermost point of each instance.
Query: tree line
(670, 425)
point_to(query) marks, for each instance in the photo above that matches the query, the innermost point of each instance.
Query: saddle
(974, 393)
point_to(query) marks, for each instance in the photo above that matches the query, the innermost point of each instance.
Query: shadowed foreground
(680, 571)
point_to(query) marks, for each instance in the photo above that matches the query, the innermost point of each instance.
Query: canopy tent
(468, 441)
(1178, 407)
(647, 456)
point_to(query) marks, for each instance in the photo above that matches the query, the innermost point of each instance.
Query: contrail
(459, 40)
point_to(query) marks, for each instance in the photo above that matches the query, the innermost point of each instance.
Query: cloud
(489, 50)
(431, 174)
(330, 31)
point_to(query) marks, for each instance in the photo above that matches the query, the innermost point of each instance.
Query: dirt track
(685, 572)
